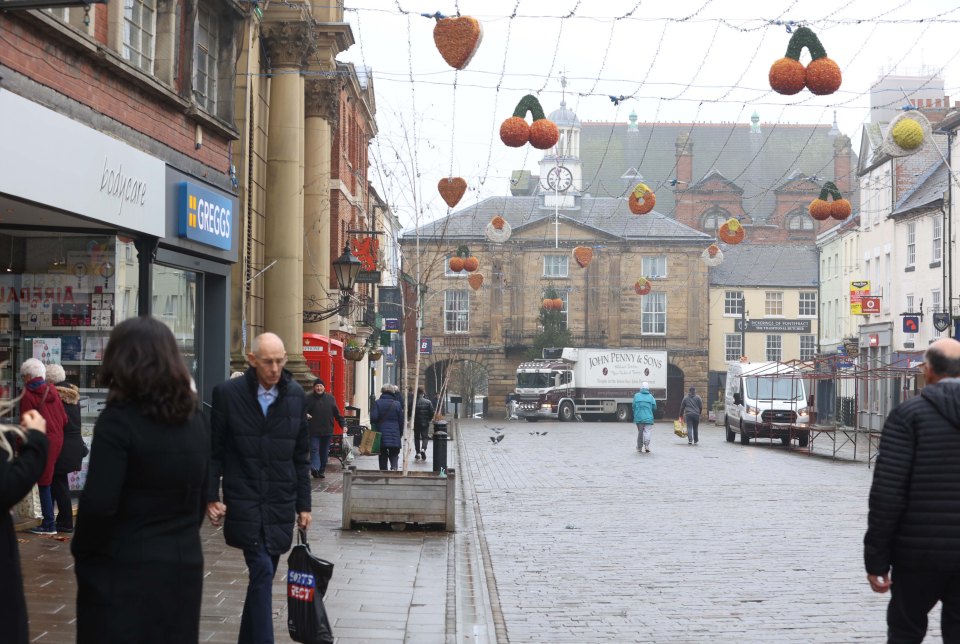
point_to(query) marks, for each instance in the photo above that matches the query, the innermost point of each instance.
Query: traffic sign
(870, 305)
(911, 324)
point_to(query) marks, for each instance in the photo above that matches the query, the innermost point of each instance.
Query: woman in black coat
(139, 563)
(17, 477)
(73, 450)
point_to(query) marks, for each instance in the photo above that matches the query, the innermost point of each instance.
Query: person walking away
(387, 413)
(261, 458)
(912, 543)
(644, 404)
(72, 452)
(321, 412)
(18, 475)
(136, 547)
(691, 408)
(38, 394)
(422, 417)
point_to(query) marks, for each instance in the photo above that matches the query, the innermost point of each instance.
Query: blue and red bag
(307, 580)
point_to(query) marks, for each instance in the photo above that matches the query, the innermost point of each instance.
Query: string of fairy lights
(427, 155)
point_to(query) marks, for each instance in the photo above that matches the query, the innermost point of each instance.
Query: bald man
(912, 545)
(260, 453)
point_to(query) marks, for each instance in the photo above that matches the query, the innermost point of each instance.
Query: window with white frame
(911, 243)
(808, 304)
(935, 301)
(799, 222)
(653, 319)
(456, 311)
(205, 59)
(733, 303)
(139, 30)
(732, 346)
(808, 347)
(60, 13)
(909, 304)
(936, 250)
(773, 305)
(714, 218)
(774, 348)
(556, 265)
(654, 267)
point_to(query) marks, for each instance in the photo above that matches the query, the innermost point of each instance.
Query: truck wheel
(566, 412)
(730, 433)
(785, 439)
(531, 419)
(623, 413)
(744, 439)
(803, 438)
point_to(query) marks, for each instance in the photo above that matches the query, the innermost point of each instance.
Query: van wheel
(623, 413)
(744, 439)
(566, 412)
(731, 436)
(803, 438)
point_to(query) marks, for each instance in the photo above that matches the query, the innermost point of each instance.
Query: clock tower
(561, 175)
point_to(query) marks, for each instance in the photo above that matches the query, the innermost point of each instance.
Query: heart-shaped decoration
(475, 281)
(583, 255)
(457, 39)
(452, 189)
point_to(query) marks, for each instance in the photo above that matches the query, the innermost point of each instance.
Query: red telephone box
(325, 360)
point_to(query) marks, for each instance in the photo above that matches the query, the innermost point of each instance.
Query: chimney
(684, 148)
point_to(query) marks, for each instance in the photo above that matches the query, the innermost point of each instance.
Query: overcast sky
(679, 61)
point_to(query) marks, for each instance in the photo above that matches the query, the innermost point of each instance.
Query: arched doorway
(465, 385)
(675, 391)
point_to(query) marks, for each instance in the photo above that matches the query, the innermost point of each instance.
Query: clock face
(559, 178)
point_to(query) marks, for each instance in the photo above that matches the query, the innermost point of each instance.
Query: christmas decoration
(642, 200)
(583, 255)
(732, 232)
(642, 286)
(788, 76)
(470, 264)
(498, 230)
(906, 134)
(475, 281)
(457, 39)
(821, 209)
(459, 259)
(712, 255)
(452, 189)
(542, 134)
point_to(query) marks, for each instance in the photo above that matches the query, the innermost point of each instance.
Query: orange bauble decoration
(819, 209)
(840, 209)
(514, 132)
(642, 286)
(823, 76)
(544, 134)
(712, 250)
(557, 304)
(731, 232)
(642, 200)
(471, 264)
(787, 76)
(456, 264)
(498, 222)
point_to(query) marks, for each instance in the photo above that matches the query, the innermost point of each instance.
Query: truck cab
(766, 400)
(542, 388)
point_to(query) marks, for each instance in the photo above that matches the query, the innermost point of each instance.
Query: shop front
(94, 231)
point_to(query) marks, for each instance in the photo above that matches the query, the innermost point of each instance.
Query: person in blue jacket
(644, 404)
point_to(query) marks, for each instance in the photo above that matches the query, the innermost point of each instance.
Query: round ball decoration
(456, 264)
(515, 132)
(552, 304)
(642, 200)
(788, 76)
(457, 39)
(642, 286)
(471, 264)
(906, 134)
(583, 255)
(498, 230)
(732, 232)
(451, 189)
(475, 281)
(821, 209)
(712, 255)
(459, 259)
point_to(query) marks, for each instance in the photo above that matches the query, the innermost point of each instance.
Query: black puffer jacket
(264, 461)
(423, 414)
(914, 518)
(74, 449)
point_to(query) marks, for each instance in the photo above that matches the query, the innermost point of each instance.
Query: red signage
(366, 249)
(869, 305)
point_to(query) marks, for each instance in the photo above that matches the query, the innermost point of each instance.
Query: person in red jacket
(43, 397)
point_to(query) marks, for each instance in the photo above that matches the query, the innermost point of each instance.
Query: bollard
(440, 439)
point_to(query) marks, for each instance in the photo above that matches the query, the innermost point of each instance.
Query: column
(322, 118)
(290, 46)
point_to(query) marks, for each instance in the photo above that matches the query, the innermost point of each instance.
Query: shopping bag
(678, 429)
(307, 580)
(370, 443)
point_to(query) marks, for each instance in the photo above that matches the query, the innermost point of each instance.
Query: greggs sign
(205, 216)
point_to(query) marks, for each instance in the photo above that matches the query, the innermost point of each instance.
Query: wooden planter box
(373, 496)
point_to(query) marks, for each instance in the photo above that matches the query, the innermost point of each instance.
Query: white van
(766, 400)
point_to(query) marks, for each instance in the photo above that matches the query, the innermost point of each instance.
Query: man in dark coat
(387, 413)
(17, 476)
(913, 525)
(261, 450)
(321, 412)
(422, 416)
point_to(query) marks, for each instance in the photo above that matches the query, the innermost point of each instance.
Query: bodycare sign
(50, 159)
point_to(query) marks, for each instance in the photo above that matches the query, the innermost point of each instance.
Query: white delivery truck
(766, 400)
(589, 383)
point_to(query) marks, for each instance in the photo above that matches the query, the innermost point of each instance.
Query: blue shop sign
(205, 216)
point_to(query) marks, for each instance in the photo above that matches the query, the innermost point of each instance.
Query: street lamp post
(346, 268)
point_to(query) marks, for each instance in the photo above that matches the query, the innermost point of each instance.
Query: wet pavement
(570, 535)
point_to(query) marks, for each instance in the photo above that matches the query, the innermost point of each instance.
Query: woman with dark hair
(139, 563)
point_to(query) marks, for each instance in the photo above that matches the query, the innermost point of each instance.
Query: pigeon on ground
(493, 439)
(499, 438)
(544, 434)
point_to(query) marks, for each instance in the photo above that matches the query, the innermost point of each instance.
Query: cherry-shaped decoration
(788, 75)
(541, 134)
